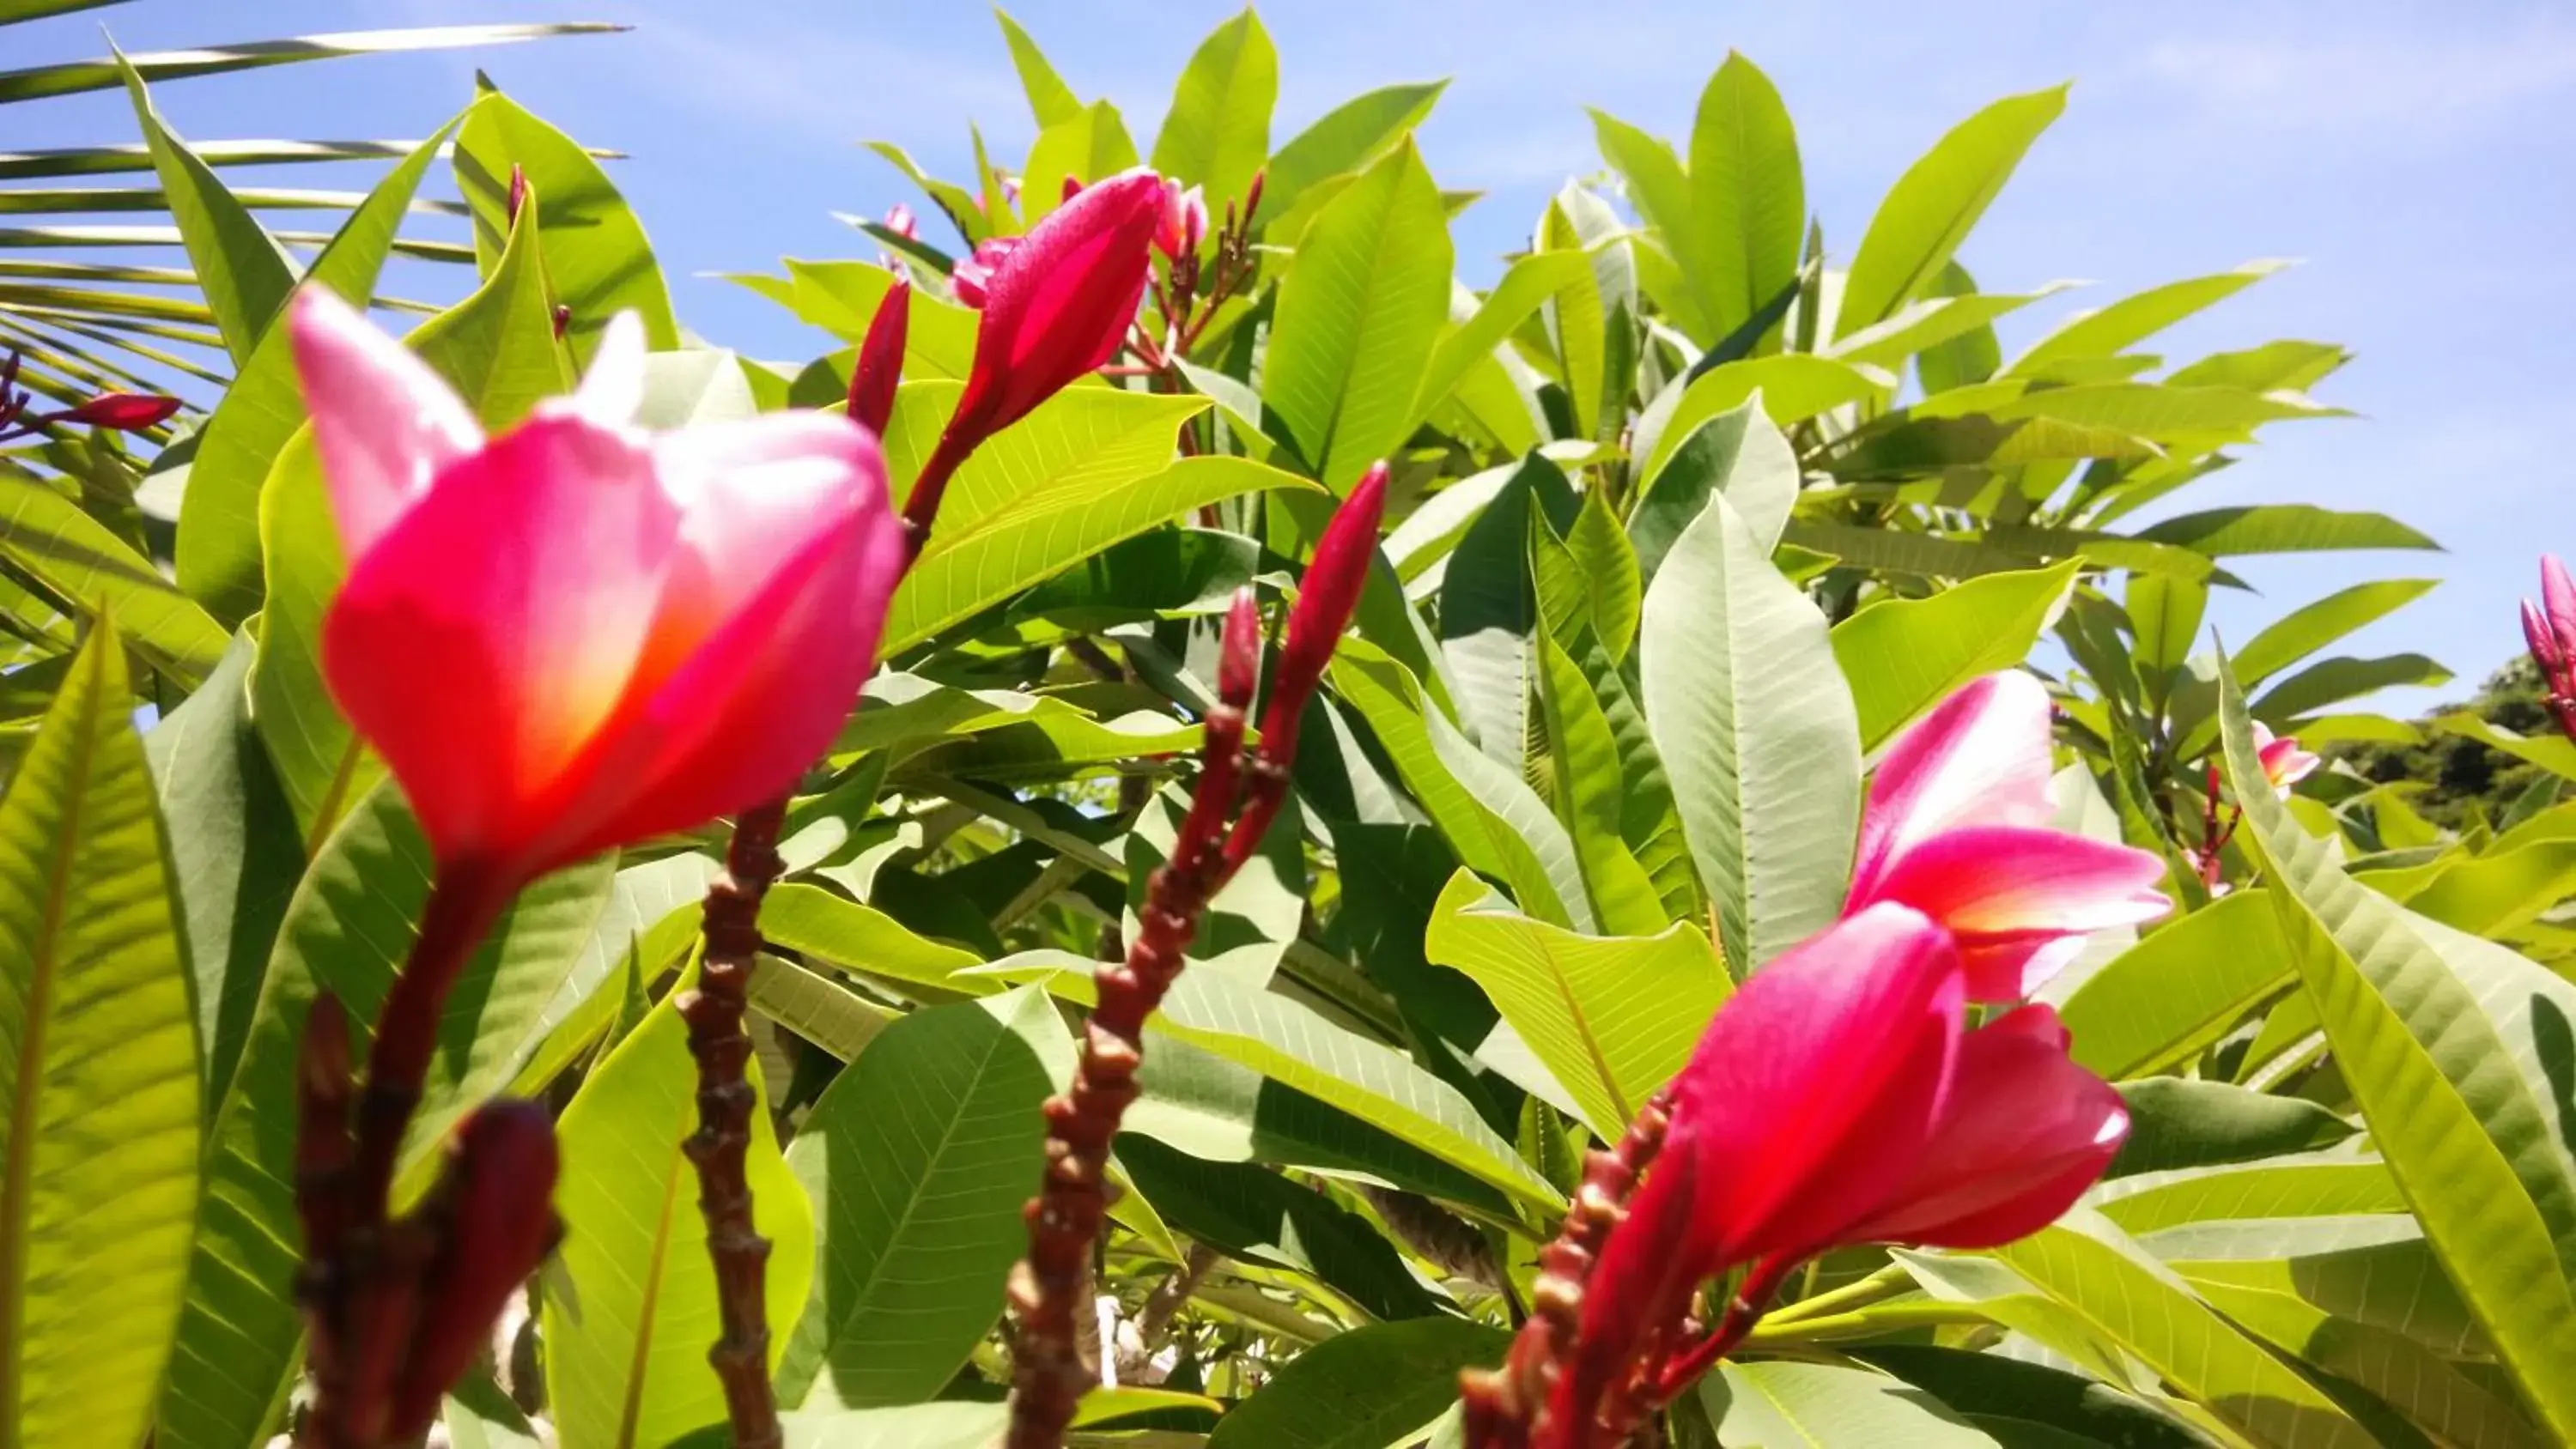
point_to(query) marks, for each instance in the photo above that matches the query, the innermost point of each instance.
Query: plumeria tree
(1202, 832)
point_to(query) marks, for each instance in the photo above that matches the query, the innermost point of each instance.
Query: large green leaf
(348, 929)
(1375, 1388)
(1050, 99)
(2179, 990)
(1526, 286)
(1793, 386)
(234, 854)
(242, 272)
(497, 349)
(2133, 319)
(1758, 734)
(99, 1113)
(1217, 132)
(1254, 1215)
(86, 565)
(1828, 1406)
(1932, 207)
(1357, 315)
(2305, 630)
(1091, 145)
(2022, 1402)
(219, 544)
(1903, 656)
(1740, 453)
(1660, 190)
(1612, 1017)
(2176, 1122)
(1592, 796)
(598, 262)
(2434, 1395)
(2280, 527)
(916, 1161)
(1091, 467)
(630, 1299)
(1748, 199)
(2421, 1031)
(1347, 138)
(2322, 1185)
(2094, 1272)
(2332, 681)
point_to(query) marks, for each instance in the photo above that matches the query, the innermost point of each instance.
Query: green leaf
(1526, 286)
(2133, 319)
(1374, 1388)
(98, 75)
(2281, 528)
(219, 544)
(916, 1161)
(242, 272)
(1217, 132)
(1740, 453)
(2332, 681)
(234, 854)
(818, 924)
(1661, 192)
(1254, 1215)
(1591, 791)
(832, 1017)
(598, 262)
(1758, 734)
(630, 1299)
(497, 349)
(99, 1112)
(2409, 1377)
(1348, 138)
(1611, 585)
(1090, 467)
(85, 565)
(1937, 326)
(1793, 387)
(1932, 207)
(2092, 1270)
(2175, 1123)
(1748, 200)
(1830, 1407)
(2178, 991)
(348, 929)
(2005, 1395)
(1612, 1017)
(2371, 1268)
(1903, 656)
(2302, 1187)
(2463, 1128)
(1559, 893)
(2303, 631)
(1489, 613)
(1093, 144)
(2552, 752)
(1051, 101)
(1357, 315)
(2502, 891)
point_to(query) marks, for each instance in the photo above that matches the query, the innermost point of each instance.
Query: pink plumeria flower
(1958, 826)
(1184, 221)
(2284, 763)
(578, 633)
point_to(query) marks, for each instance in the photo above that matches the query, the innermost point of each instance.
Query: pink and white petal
(759, 702)
(1814, 1087)
(612, 392)
(487, 637)
(2011, 968)
(2026, 1133)
(2001, 881)
(1981, 757)
(384, 423)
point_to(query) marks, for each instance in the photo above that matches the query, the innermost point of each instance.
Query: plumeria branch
(1239, 793)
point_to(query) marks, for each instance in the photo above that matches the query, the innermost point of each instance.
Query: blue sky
(2411, 157)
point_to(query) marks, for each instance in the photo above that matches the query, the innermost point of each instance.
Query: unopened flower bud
(880, 361)
(501, 1224)
(1325, 603)
(124, 412)
(1238, 665)
(518, 194)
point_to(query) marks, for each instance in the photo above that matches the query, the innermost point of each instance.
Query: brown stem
(1506, 1407)
(1047, 1288)
(714, 1011)
(1155, 1318)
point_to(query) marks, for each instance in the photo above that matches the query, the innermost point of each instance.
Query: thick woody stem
(714, 1011)
(1506, 1408)
(1048, 1288)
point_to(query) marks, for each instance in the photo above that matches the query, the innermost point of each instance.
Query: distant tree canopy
(2468, 780)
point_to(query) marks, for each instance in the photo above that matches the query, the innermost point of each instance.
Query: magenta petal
(2558, 600)
(2026, 1133)
(1981, 757)
(1813, 1088)
(1642, 1285)
(383, 422)
(1996, 886)
(495, 628)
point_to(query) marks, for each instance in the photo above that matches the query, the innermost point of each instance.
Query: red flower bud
(501, 1224)
(1238, 660)
(2544, 645)
(1325, 603)
(1252, 197)
(2558, 603)
(1072, 189)
(124, 412)
(1059, 303)
(880, 363)
(518, 195)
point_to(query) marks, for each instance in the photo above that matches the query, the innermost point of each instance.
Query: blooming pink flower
(1184, 221)
(900, 220)
(1059, 300)
(969, 279)
(1957, 826)
(578, 633)
(2284, 763)
(1835, 1100)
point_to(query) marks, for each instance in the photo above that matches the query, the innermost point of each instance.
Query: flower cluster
(2549, 627)
(1843, 1096)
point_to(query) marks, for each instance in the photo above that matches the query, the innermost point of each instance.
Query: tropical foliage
(1703, 531)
